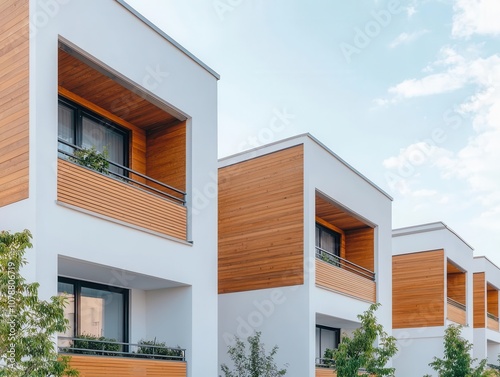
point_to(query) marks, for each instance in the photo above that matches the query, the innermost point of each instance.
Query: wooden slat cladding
(100, 366)
(493, 324)
(261, 222)
(325, 372)
(336, 216)
(14, 101)
(418, 289)
(340, 280)
(85, 81)
(479, 293)
(492, 300)
(456, 287)
(166, 155)
(456, 315)
(102, 195)
(360, 245)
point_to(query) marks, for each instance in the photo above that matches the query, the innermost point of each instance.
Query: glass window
(326, 338)
(94, 309)
(327, 240)
(80, 127)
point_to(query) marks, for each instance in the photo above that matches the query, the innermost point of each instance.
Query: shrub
(164, 352)
(92, 159)
(87, 344)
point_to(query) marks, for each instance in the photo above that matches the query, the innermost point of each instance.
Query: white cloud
(476, 17)
(429, 85)
(410, 11)
(477, 163)
(405, 38)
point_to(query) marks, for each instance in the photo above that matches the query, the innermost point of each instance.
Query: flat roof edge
(167, 37)
(422, 228)
(306, 135)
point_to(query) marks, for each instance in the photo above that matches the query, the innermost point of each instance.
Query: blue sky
(407, 92)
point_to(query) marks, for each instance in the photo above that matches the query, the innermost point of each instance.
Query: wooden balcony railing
(122, 199)
(339, 275)
(457, 312)
(493, 322)
(97, 358)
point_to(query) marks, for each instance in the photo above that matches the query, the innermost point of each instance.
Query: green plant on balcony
(92, 345)
(328, 361)
(91, 158)
(154, 349)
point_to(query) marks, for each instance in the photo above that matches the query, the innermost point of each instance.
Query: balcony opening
(492, 307)
(327, 339)
(145, 144)
(146, 325)
(94, 312)
(456, 293)
(329, 332)
(343, 240)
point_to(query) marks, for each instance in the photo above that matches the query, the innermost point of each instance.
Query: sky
(407, 92)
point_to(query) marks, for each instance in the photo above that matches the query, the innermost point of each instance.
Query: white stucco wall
(105, 31)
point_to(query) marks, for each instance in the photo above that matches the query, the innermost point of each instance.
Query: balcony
(457, 312)
(147, 140)
(96, 358)
(492, 322)
(340, 275)
(326, 368)
(141, 202)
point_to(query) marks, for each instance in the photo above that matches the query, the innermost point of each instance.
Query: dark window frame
(336, 235)
(77, 291)
(334, 329)
(80, 111)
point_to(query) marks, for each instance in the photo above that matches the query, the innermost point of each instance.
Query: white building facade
(135, 249)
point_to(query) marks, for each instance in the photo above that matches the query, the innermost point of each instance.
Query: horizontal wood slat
(14, 98)
(479, 292)
(456, 315)
(166, 155)
(345, 282)
(94, 192)
(261, 222)
(492, 300)
(88, 83)
(456, 286)
(360, 244)
(325, 372)
(493, 324)
(418, 289)
(99, 366)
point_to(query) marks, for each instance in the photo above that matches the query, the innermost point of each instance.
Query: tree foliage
(255, 362)
(27, 324)
(457, 360)
(360, 350)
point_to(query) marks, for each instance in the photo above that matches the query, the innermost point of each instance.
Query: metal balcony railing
(337, 261)
(492, 316)
(170, 191)
(330, 363)
(456, 304)
(85, 346)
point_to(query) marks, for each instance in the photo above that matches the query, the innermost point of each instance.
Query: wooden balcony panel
(340, 280)
(108, 197)
(101, 366)
(457, 315)
(493, 324)
(326, 372)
